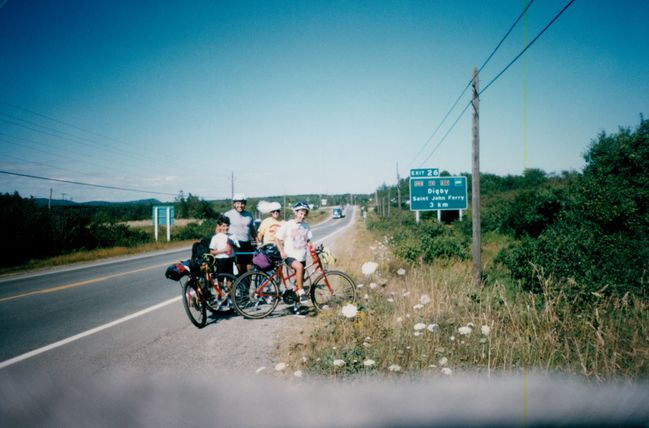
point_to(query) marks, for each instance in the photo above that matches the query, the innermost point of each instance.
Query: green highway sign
(424, 172)
(438, 193)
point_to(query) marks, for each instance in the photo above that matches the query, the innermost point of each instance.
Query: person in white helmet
(269, 226)
(242, 228)
(292, 239)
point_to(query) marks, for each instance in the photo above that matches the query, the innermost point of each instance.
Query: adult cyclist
(242, 228)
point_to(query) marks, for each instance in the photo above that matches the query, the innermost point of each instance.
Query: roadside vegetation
(564, 288)
(36, 237)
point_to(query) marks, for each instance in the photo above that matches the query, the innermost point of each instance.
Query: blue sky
(303, 97)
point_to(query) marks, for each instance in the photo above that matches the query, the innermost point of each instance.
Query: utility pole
(49, 202)
(398, 189)
(475, 180)
(232, 185)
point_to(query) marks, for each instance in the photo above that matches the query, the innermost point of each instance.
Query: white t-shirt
(295, 236)
(219, 242)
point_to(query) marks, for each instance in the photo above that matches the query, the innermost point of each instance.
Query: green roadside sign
(438, 193)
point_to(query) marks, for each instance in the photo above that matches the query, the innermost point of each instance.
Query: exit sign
(438, 193)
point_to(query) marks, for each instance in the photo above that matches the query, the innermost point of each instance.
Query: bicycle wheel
(194, 305)
(332, 290)
(255, 295)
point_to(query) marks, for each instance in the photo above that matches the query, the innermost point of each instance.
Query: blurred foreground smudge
(132, 400)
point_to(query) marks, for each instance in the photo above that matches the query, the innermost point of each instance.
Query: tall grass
(435, 319)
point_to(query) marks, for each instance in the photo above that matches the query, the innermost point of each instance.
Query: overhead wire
(80, 183)
(502, 71)
(468, 85)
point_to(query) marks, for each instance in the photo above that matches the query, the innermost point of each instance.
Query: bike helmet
(301, 206)
(239, 197)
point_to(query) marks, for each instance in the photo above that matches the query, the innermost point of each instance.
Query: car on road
(337, 213)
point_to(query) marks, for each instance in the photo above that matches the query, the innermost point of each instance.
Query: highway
(37, 310)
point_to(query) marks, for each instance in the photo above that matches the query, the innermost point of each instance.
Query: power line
(87, 184)
(468, 85)
(502, 71)
(526, 47)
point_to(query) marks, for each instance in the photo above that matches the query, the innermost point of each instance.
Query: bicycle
(256, 293)
(197, 299)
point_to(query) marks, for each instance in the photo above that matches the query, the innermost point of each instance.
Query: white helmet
(266, 207)
(301, 206)
(239, 197)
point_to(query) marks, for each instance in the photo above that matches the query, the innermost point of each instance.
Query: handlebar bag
(262, 261)
(177, 271)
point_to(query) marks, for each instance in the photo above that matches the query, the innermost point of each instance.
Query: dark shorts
(225, 265)
(245, 247)
(289, 261)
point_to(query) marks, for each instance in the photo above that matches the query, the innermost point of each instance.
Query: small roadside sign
(438, 193)
(424, 172)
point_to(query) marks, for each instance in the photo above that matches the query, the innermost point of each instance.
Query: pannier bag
(262, 261)
(266, 257)
(177, 271)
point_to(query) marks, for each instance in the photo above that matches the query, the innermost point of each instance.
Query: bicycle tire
(194, 305)
(246, 299)
(342, 291)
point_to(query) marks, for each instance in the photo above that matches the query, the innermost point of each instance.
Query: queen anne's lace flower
(373, 285)
(369, 268)
(297, 373)
(433, 328)
(401, 272)
(395, 368)
(446, 371)
(485, 330)
(369, 363)
(418, 306)
(420, 326)
(442, 361)
(339, 363)
(424, 299)
(350, 310)
(280, 366)
(464, 331)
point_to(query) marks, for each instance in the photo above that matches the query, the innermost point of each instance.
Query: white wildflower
(446, 371)
(405, 294)
(485, 330)
(401, 272)
(297, 373)
(417, 333)
(399, 319)
(304, 359)
(390, 300)
(366, 297)
(369, 268)
(339, 363)
(360, 286)
(418, 306)
(442, 361)
(366, 345)
(369, 363)
(452, 338)
(483, 340)
(420, 326)
(373, 285)
(464, 331)
(395, 368)
(350, 310)
(433, 328)
(280, 366)
(424, 299)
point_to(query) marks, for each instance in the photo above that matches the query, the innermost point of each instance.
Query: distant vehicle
(337, 213)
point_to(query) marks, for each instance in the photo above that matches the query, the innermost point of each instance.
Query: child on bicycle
(222, 248)
(268, 227)
(292, 239)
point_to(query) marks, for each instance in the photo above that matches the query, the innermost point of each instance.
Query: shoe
(301, 296)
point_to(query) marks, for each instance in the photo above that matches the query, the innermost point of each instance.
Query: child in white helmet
(292, 239)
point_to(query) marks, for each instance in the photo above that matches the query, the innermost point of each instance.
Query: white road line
(351, 222)
(70, 339)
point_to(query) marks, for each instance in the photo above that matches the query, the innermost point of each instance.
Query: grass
(434, 319)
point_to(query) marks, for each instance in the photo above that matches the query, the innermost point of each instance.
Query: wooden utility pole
(232, 185)
(398, 189)
(475, 180)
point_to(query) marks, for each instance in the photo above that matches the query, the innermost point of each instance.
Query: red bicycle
(256, 293)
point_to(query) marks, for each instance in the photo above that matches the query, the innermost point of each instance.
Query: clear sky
(303, 96)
